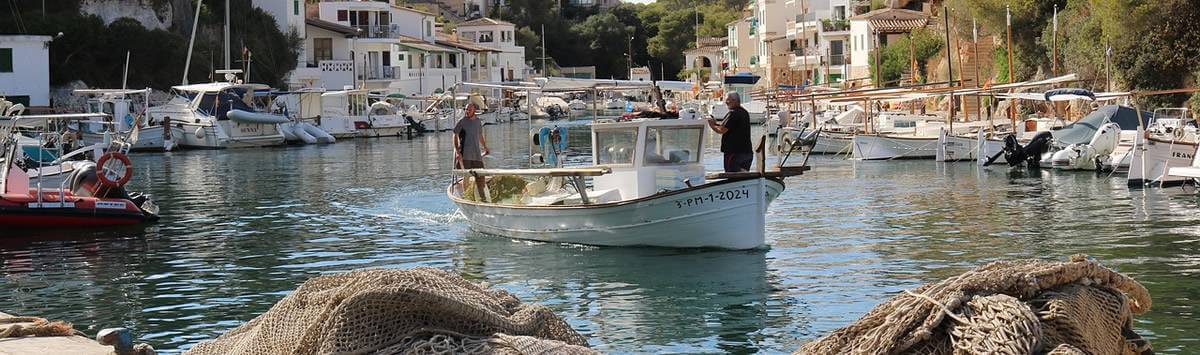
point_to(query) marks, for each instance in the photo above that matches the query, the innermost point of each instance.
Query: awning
(897, 26)
(430, 47)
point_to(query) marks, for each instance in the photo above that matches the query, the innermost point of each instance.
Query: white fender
(318, 133)
(1106, 139)
(298, 131)
(286, 129)
(256, 117)
(199, 133)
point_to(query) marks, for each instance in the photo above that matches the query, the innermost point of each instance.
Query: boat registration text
(727, 195)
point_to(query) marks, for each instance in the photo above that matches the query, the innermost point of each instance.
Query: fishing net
(500, 188)
(416, 311)
(1006, 307)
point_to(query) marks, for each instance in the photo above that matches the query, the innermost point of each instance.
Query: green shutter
(6, 60)
(296, 5)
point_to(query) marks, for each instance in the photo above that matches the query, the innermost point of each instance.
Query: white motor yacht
(220, 115)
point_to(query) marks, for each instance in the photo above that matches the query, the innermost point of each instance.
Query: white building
(768, 21)
(499, 35)
(706, 56)
(820, 36)
(738, 49)
(25, 69)
(878, 28)
(640, 74)
(326, 61)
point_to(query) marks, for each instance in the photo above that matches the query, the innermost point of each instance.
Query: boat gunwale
(459, 200)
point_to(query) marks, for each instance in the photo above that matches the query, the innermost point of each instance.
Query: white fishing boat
(649, 188)
(1170, 141)
(899, 136)
(369, 119)
(220, 115)
(124, 111)
(306, 108)
(979, 146)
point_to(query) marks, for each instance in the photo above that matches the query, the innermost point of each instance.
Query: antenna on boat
(192, 42)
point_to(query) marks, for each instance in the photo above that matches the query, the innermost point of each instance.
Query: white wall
(860, 45)
(31, 68)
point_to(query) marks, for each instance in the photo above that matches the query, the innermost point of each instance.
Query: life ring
(1178, 134)
(102, 173)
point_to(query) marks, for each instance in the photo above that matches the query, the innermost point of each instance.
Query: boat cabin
(352, 103)
(207, 98)
(648, 156)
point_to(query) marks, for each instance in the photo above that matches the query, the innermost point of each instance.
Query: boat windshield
(672, 145)
(615, 146)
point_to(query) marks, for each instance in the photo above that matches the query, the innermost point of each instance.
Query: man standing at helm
(735, 135)
(470, 145)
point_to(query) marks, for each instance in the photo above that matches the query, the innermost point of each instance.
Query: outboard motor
(414, 126)
(1030, 154)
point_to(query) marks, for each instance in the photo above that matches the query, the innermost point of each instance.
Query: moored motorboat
(203, 111)
(87, 195)
(649, 188)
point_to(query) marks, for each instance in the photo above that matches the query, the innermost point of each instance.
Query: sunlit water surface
(242, 228)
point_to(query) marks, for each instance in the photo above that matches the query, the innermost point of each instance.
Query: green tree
(606, 38)
(897, 56)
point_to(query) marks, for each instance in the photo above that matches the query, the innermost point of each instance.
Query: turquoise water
(242, 228)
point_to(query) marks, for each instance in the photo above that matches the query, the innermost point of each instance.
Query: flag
(1008, 15)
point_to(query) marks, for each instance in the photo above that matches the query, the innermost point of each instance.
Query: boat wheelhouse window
(208, 103)
(904, 124)
(615, 146)
(672, 145)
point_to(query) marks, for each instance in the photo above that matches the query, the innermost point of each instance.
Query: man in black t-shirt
(735, 135)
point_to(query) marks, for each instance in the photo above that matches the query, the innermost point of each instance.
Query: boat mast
(192, 42)
(975, 59)
(227, 59)
(1012, 111)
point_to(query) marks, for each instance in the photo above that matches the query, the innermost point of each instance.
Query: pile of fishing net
(1006, 307)
(416, 311)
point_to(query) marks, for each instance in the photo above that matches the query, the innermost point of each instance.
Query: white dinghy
(649, 188)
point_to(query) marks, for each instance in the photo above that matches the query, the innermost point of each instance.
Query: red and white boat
(36, 194)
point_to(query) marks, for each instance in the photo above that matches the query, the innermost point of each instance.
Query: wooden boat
(649, 188)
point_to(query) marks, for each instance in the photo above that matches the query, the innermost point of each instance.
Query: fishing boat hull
(150, 139)
(886, 147)
(962, 148)
(833, 143)
(1152, 158)
(727, 214)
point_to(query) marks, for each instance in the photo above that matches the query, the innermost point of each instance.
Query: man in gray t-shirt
(468, 139)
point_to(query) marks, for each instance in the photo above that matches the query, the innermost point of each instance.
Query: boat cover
(1082, 131)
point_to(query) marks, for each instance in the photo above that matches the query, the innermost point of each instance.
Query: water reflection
(242, 228)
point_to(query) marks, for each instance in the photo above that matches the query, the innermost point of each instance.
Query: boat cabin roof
(218, 86)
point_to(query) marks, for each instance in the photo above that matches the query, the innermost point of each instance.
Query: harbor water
(242, 228)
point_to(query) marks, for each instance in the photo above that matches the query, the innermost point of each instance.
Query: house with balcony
(326, 61)
(738, 49)
(819, 35)
(396, 47)
(875, 29)
(767, 25)
(481, 64)
(498, 35)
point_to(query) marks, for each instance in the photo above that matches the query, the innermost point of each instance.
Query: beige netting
(384, 311)
(1006, 307)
